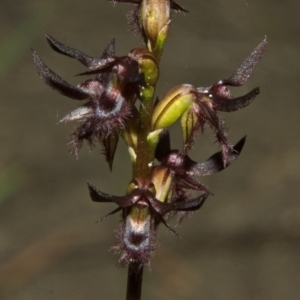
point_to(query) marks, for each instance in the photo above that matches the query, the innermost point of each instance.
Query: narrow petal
(228, 105)
(104, 66)
(177, 7)
(86, 60)
(162, 220)
(98, 196)
(110, 144)
(210, 116)
(190, 205)
(110, 214)
(56, 82)
(81, 113)
(109, 50)
(215, 163)
(240, 76)
(188, 182)
(159, 207)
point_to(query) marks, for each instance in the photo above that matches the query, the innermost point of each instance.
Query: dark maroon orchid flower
(184, 169)
(218, 97)
(137, 238)
(110, 96)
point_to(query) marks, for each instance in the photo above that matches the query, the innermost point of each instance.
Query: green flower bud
(155, 20)
(147, 64)
(172, 106)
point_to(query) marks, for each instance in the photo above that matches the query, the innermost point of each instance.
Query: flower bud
(155, 20)
(147, 65)
(172, 106)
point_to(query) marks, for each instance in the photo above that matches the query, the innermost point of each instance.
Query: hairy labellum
(110, 96)
(136, 237)
(142, 212)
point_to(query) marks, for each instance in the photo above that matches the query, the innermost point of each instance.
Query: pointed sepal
(240, 76)
(215, 163)
(229, 105)
(110, 144)
(190, 205)
(88, 61)
(98, 196)
(56, 82)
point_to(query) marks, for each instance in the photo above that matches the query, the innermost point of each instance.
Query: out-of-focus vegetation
(11, 179)
(20, 39)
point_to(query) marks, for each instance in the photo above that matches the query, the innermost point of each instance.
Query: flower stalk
(119, 104)
(134, 282)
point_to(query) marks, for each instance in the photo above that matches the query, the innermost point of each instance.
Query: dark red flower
(142, 212)
(110, 96)
(184, 169)
(218, 97)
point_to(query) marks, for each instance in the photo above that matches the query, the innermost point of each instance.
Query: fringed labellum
(142, 212)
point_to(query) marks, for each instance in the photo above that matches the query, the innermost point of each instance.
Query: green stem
(142, 170)
(142, 167)
(145, 152)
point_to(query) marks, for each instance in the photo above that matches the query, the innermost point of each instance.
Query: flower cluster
(119, 103)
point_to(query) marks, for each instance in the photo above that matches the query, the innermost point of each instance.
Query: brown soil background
(243, 244)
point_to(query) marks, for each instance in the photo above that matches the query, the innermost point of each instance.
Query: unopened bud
(155, 20)
(148, 66)
(172, 106)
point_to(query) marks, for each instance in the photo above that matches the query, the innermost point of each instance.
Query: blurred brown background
(243, 244)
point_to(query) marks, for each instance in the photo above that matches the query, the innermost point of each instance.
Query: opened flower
(142, 212)
(198, 107)
(110, 96)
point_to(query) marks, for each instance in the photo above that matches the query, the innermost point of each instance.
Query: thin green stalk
(145, 153)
